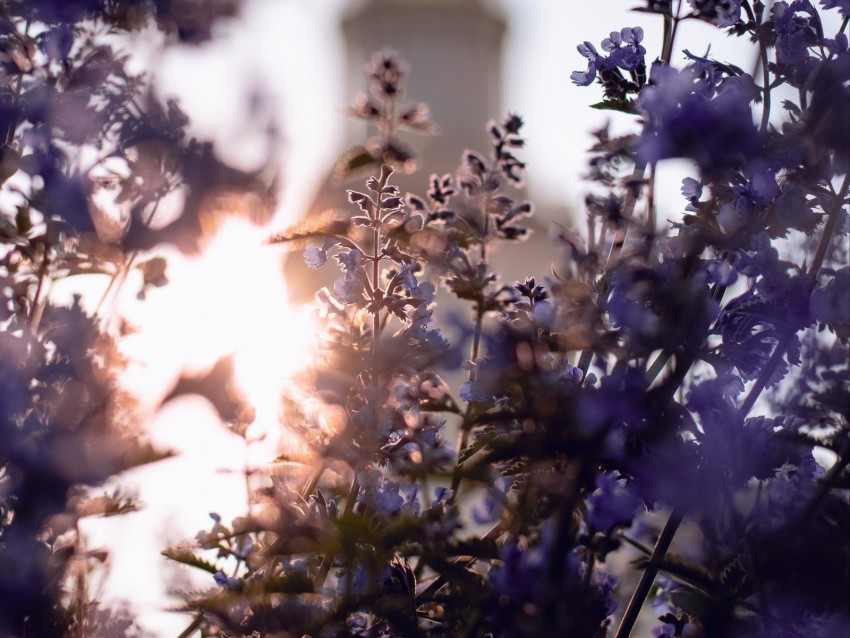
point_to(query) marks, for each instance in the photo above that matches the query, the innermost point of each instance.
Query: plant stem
(120, 275)
(327, 563)
(650, 200)
(649, 574)
(765, 111)
(81, 592)
(376, 317)
(671, 25)
(820, 254)
(19, 84)
(826, 483)
(192, 628)
(37, 307)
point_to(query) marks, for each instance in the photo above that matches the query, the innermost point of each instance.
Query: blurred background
(297, 65)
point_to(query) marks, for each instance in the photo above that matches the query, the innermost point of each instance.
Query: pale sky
(291, 50)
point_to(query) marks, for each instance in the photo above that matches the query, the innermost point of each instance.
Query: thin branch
(649, 574)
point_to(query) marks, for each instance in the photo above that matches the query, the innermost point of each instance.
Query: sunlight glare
(240, 293)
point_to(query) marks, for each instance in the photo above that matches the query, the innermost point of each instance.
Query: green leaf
(353, 160)
(294, 583)
(624, 106)
(692, 602)
(22, 220)
(185, 557)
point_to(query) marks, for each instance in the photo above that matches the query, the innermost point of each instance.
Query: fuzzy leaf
(624, 106)
(185, 557)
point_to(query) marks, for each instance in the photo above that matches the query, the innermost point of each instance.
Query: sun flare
(229, 300)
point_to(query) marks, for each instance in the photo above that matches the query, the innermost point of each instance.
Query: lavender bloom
(488, 509)
(585, 78)
(843, 6)
(724, 13)
(625, 49)
(349, 260)
(625, 54)
(692, 191)
(830, 303)
(349, 288)
(837, 46)
(708, 123)
(228, 582)
(381, 493)
(424, 291)
(796, 26)
(524, 587)
(762, 187)
(314, 256)
(612, 504)
(571, 375)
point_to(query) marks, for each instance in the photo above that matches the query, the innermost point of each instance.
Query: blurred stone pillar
(454, 51)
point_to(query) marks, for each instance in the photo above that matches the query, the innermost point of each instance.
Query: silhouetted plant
(595, 403)
(86, 153)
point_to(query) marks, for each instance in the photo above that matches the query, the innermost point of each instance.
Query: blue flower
(762, 187)
(692, 191)
(349, 287)
(487, 509)
(625, 48)
(724, 13)
(843, 6)
(830, 302)
(314, 256)
(797, 28)
(585, 78)
(612, 504)
(381, 493)
(228, 582)
(695, 116)
(349, 260)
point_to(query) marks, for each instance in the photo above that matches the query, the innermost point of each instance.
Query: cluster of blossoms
(483, 477)
(625, 53)
(86, 152)
(596, 405)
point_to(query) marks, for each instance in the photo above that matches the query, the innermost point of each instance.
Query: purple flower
(724, 13)
(708, 123)
(379, 492)
(843, 6)
(571, 374)
(489, 508)
(349, 288)
(722, 272)
(349, 260)
(830, 303)
(56, 43)
(797, 28)
(228, 582)
(692, 191)
(585, 78)
(762, 186)
(316, 257)
(837, 46)
(612, 504)
(625, 48)
(418, 290)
